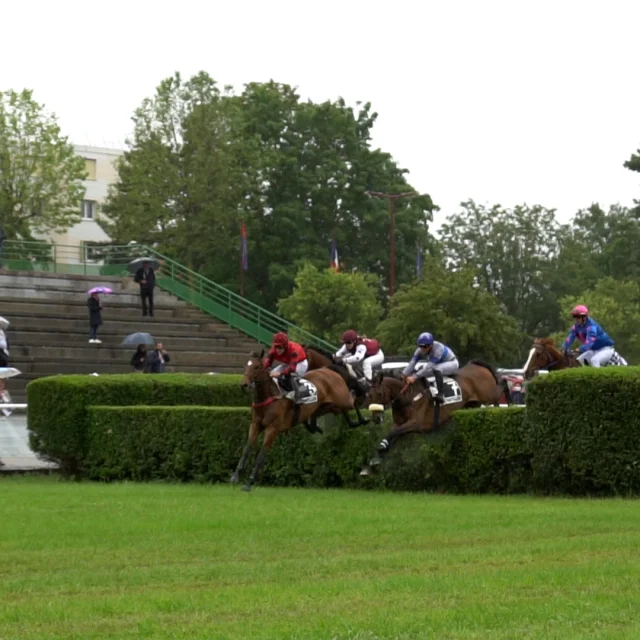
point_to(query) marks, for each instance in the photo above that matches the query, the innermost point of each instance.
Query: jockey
(358, 349)
(597, 346)
(441, 361)
(293, 361)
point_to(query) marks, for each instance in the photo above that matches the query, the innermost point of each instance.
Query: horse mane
(486, 365)
(322, 352)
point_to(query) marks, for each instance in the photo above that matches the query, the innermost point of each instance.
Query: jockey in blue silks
(597, 347)
(440, 361)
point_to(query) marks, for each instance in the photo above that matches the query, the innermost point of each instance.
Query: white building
(101, 173)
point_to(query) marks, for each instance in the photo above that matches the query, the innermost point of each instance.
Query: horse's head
(378, 394)
(254, 370)
(543, 355)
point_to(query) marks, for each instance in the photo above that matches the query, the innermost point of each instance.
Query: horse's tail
(485, 365)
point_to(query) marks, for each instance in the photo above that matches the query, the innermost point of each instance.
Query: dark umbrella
(138, 338)
(134, 265)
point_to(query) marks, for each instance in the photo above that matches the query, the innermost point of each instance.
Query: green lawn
(87, 561)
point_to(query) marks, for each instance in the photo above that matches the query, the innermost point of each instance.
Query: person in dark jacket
(157, 359)
(139, 357)
(146, 278)
(95, 318)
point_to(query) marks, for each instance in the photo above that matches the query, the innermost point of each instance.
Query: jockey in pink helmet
(597, 347)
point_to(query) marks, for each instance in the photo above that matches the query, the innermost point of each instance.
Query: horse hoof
(375, 462)
(246, 488)
(235, 478)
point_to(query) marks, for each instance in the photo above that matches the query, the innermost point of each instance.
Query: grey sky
(505, 102)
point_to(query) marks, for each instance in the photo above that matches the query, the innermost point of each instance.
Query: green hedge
(57, 405)
(480, 452)
(584, 426)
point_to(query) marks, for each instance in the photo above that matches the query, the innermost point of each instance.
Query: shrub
(57, 405)
(479, 452)
(205, 444)
(583, 425)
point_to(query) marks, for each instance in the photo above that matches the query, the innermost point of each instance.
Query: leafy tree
(327, 303)
(513, 253)
(633, 163)
(458, 311)
(615, 305)
(40, 175)
(297, 172)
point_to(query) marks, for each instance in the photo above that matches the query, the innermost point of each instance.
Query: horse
(473, 385)
(390, 390)
(273, 413)
(545, 355)
(318, 358)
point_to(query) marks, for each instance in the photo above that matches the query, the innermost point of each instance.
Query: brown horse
(545, 355)
(317, 358)
(273, 413)
(387, 390)
(474, 385)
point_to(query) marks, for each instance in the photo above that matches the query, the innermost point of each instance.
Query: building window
(90, 168)
(88, 209)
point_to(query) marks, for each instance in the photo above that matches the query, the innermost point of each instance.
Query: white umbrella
(4, 323)
(9, 372)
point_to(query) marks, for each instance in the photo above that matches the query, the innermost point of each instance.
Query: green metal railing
(113, 260)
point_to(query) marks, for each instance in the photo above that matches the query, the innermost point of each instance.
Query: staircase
(49, 328)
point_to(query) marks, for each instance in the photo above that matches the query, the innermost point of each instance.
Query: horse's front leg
(389, 441)
(269, 437)
(254, 429)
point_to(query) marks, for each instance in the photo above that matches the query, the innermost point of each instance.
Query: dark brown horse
(318, 358)
(272, 413)
(545, 355)
(475, 384)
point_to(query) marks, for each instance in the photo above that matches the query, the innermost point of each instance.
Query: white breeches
(368, 364)
(596, 358)
(445, 368)
(301, 367)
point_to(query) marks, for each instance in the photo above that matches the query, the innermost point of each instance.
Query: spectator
(146, 278)
(95, 318)
(157, 359)
(139, 357)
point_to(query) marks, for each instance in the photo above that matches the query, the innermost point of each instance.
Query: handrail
(111, 259)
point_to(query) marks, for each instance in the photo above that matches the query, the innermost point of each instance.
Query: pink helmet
(579, 311)
(349, 336)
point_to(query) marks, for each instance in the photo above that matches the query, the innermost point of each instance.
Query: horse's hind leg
(388, 441)
(269, 437)
(253, 434)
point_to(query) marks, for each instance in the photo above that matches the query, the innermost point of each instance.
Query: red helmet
(579, 311)
(349, 336)
(280, 338)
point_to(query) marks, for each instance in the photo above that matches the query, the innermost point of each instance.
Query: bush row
(475, 454)
(57, 405)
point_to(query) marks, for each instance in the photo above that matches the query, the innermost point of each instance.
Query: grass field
(84, 561)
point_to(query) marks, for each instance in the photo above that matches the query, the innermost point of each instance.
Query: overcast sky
(500, 101)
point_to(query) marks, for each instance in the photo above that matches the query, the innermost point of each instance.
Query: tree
(615, 305)
(297, 172)
(458, 311)
(40, 175)
(327, 303)
(633, 163)
(513, 253)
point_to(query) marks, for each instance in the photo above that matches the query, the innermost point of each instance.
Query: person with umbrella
(95, 317)
(145, 276)
(4, 345)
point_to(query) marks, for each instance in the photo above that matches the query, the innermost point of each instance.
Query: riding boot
(434, 389)
(440, 386)
(365, 385)
(298, 390)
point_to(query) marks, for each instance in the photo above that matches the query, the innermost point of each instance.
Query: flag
(243, 244)
(334, 264)
(419, 262)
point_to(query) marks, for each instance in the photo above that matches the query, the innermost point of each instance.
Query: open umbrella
(134, 339)
(9, 372)
(4, 323)
(134, 265)
(100, 290)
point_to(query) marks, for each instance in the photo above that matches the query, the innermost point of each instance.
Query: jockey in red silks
(597, 347)
(356, 349)
(293, 362)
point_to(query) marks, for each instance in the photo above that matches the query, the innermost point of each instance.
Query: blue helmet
(425, 339)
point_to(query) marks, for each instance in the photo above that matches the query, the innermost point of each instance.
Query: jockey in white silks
(441, 361)
(357, 349)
